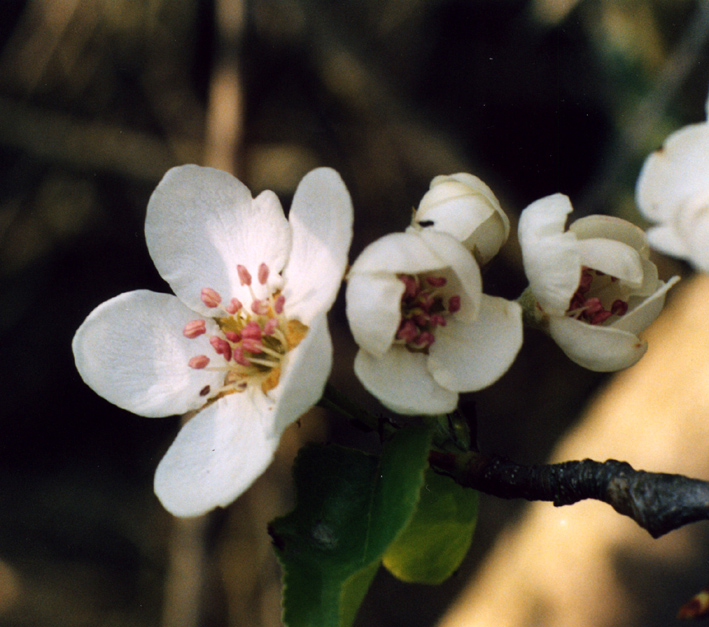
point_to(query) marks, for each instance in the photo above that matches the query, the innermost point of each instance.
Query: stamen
(239, 356)
(198, 362)
(270, 326)
(259, 307)
(210, 297)
(234, 306)
(204, 391)
(244, 275)
(600, 317)
(252, 345)
(619, 307)
(194, 329)
(232, 336)
(411, 285)
(222, 347)
(407, 331)
(436, 281)
(278, 305)
(454, 304)
(263, 274)
(252, 331)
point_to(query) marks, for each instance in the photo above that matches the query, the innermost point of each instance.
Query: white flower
(425, 330)
(673, 190)
(245, 343)
(593, 285)
(464, 207)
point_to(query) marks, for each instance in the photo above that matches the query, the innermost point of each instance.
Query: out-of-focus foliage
(99, 97)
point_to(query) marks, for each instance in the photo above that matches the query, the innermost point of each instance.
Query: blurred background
(98, 98)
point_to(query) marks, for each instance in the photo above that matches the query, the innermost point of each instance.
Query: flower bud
(464, 207)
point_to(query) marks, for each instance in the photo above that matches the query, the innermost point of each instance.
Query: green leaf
(350, 507)
(437, 538)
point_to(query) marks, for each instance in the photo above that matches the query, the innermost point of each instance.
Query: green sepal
(350, 507)
(437, 538)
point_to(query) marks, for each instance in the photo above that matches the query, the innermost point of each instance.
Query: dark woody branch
(658, 502)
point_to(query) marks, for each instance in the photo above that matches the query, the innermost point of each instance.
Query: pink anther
(619, 307)
(454, 304)
(259, 307)
(244, 275)
(198, 362)
(421, 319)
(586, 279)
(270, 327)
(233, 336)
(210, 297)
(425, 339)
(593, 305)
(407, 331)
(252, 331)
(436, 281)
(278, 305)
(411, 286)
(437, 320)
(205, 390)
(600, 317)
(234, 306)
(426, 301)
(239, 357)
(263, 274)
(194, 329)
(253, 346)
(221, 346)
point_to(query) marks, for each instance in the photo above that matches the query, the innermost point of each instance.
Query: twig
(658, 502)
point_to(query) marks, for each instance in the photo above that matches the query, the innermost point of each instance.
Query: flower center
(252, 341)
(424, 307)
(597, 298)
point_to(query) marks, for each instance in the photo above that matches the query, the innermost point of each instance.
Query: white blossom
(466, 208)
(425, 330)
(673, 191)
(592, 287)
(245, 342)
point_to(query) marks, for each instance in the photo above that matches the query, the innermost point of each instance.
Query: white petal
(201, 223)
(465, 280)
(674, 173)
(598, 348)
(644, 314)
(470, 357)
(398, 253)
(304, 374)
(131, 351)
(374, 310)
(610, 227)
(401, 381)
(216, 456)
(552, 261)
(667, 240)
(321, 220)
(693, 226)
(614, 258)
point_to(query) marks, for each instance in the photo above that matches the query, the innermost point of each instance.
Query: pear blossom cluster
(243, 349)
